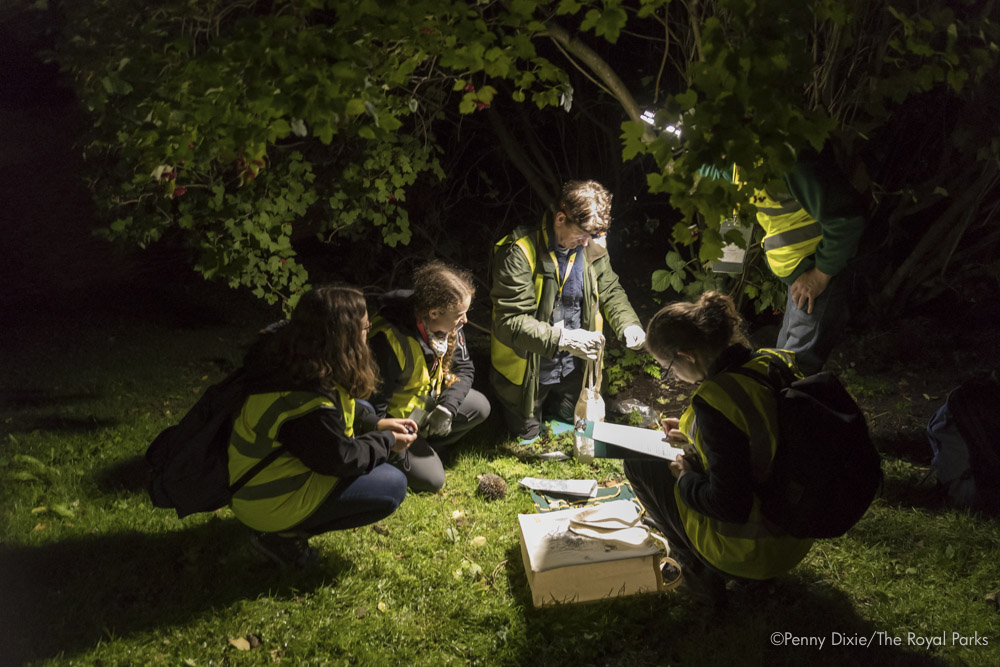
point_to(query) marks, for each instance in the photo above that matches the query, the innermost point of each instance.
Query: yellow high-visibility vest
(790, 233)
(285, 492)
(756, 549)
(415, 387)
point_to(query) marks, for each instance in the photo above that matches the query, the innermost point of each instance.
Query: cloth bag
(620, 523)
(590, 406)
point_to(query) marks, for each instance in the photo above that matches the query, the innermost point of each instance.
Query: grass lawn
(91, 573)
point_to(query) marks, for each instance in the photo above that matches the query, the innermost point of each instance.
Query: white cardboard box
(564, 567)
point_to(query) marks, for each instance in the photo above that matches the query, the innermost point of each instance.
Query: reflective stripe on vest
(790, 233)
(756, 548)
(286, 491)
(512, 364)
(414, 387)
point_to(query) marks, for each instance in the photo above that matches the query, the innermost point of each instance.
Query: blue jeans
(811, 336)
(357, 501)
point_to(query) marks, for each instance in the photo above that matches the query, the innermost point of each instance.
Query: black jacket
(726, 491)
(317, 438)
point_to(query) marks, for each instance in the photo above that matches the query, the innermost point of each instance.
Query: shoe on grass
(291, 552)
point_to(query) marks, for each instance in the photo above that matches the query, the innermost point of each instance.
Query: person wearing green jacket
(812, 221)
(550, 286)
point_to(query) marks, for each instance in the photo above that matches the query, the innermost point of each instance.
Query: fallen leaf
(240, 643)
(380, 529)
(479, 540)
(39, 510)
(63, 510)
(254, 641)
(40, 526)
(381, 607)
(362, 612)
(457, 514)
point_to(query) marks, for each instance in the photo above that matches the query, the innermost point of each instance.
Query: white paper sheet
(644, 440)
(586, 488)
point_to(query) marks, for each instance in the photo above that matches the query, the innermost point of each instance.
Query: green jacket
(523, 291)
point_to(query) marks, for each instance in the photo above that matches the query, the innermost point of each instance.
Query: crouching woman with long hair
(297, 421)
(706, 502)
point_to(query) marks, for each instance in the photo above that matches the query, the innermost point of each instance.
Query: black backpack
(825, 471)
(188, 462)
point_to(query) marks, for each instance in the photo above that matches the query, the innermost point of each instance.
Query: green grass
(93, 574)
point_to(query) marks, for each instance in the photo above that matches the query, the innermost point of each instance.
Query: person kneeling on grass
(419, 346)
(705, 502)
(303, 379)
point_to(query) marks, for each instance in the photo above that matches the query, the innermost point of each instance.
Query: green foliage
(241, 126)
(622, 365)
(766, 78)
(237, 127)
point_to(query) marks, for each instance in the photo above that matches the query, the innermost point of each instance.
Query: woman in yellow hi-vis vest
(297, 429)
(427, 373)
(550, 287)
(705, 502)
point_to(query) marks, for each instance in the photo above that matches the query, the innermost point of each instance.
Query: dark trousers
(551, 400)
(653, 484)
(421, 462)
(357, 501)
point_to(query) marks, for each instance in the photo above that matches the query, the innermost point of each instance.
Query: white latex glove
(581, 343)
(634, 336)
(439, 422)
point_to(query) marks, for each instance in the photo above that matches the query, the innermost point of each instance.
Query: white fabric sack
(589, 406)
(616, 521)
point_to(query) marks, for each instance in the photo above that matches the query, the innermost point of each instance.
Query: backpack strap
(779, 374)
(256, 469)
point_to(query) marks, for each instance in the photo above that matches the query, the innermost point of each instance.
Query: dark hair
(323, 342)
(710, 325)
(437, 285)
(586, 204)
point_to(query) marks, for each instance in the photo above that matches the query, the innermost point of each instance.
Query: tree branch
(601, 69)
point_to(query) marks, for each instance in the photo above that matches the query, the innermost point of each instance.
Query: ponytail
(709, 325)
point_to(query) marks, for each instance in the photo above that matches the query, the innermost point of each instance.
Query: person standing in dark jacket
(813, 221)
(303, 379)
(419, 346)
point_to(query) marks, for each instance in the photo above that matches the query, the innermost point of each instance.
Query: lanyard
(439, 374)
(560, 281)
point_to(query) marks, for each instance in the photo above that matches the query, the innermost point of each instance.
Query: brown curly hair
(710, 325)
(323, 342)
(437, 285)
(586, 204)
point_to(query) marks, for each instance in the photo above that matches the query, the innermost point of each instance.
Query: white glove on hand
(439, 422)
(581, 343)
(634, 336)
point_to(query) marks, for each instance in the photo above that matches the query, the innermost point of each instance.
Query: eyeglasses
(670, 365)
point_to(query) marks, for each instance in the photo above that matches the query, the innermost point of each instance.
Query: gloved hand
(581, 343)
(439, 422)
(634, 336)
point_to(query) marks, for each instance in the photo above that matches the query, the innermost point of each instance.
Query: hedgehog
(492, 487)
